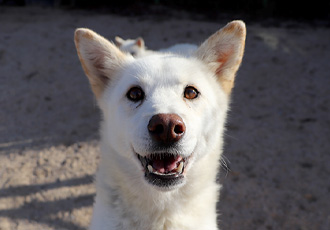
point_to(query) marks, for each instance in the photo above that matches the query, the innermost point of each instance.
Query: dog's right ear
(99, 58)
(139, 42)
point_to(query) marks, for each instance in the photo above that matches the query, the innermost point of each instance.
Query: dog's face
(158, 109)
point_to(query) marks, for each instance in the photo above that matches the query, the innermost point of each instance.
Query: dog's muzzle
(165, 169)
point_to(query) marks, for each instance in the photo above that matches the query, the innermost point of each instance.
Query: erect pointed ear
(99, 58)
(139, 42)
(223, 53)
(119, 41)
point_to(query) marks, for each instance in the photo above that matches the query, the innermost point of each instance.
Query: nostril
(158, 129)
(179, 129)
(156, 126)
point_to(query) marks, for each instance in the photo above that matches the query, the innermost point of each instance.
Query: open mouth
(164, 169)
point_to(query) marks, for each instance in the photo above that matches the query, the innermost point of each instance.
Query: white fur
(124, 199)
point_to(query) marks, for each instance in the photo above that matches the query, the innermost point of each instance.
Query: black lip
(164, 181)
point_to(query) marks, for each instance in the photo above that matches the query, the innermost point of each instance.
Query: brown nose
(166, 128)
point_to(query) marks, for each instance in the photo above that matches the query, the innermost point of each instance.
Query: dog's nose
(166, 128)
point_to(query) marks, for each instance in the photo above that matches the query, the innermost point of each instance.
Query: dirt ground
(278, 137)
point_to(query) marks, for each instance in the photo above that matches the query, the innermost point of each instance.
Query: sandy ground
(277, 139)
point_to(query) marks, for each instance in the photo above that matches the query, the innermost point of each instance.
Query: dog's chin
(164, 171)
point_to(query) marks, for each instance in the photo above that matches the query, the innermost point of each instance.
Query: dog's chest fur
(126, 208)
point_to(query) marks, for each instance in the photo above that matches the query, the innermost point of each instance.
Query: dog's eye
(190, 92)
(135, 94)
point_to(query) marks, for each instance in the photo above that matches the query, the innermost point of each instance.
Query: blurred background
(303, 10)
(276, 161)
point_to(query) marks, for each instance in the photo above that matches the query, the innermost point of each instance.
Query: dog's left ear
(119, 41)
(223, 53)
(100, 59)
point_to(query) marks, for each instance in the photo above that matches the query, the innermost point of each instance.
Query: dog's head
(163, 113)
(135, 47)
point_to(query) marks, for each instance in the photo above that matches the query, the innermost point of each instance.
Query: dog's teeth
(150, 168)
(180, 167)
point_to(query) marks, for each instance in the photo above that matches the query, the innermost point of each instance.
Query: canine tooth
(150, 168)
(180, 167)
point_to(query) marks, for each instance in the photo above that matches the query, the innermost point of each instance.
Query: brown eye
(135, 94)
(190, 92)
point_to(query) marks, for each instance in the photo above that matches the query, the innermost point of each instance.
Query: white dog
(137, 47)
(163, 122)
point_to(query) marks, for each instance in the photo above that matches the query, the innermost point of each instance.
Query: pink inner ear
(139, 43)
(223, 59)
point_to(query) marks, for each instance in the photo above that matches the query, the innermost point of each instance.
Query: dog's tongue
(166, 164)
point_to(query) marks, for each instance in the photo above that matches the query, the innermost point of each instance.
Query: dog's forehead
(163, 70)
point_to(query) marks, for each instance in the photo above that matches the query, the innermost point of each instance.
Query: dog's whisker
(224, 164)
